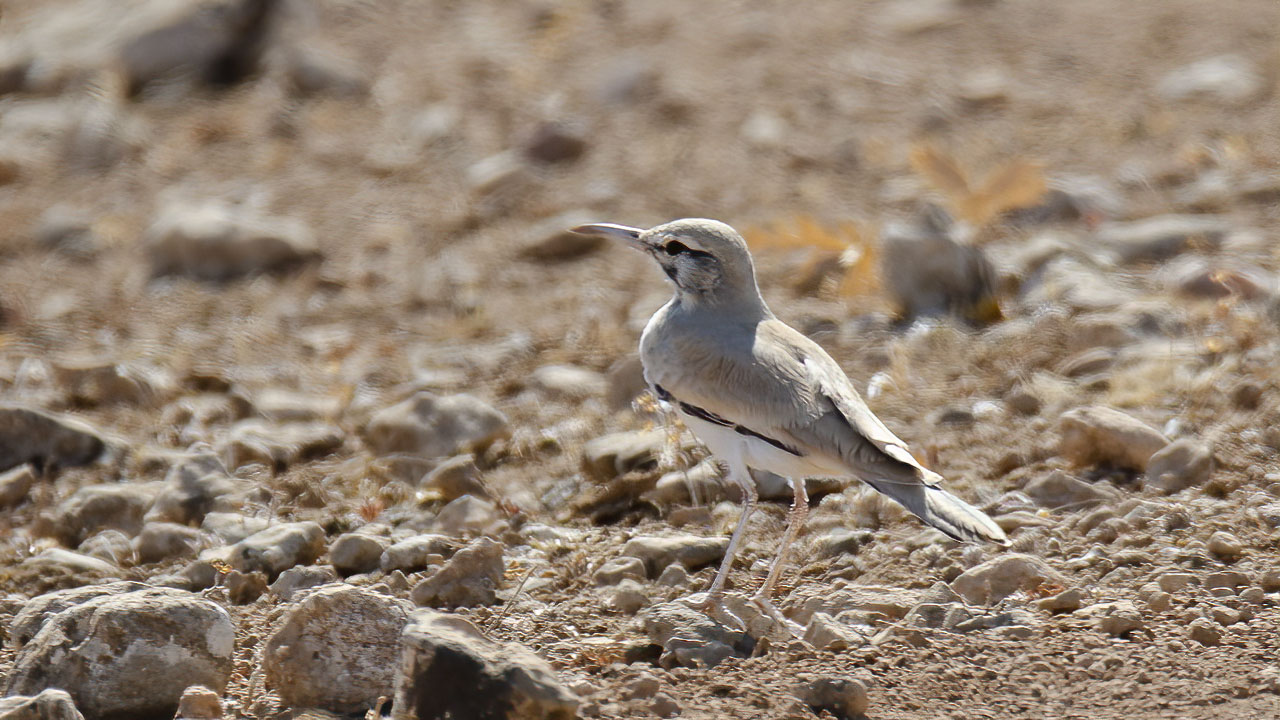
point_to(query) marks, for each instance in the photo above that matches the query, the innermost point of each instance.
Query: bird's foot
(767, 607)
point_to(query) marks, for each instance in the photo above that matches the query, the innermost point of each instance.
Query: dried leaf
(1017, 185)
(941, 171)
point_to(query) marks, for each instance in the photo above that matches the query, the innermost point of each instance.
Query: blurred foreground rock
(48, 705)
(139, 632)
(448, 668)
(435, 426)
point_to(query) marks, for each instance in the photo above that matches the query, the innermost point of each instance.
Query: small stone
(470, 578)
(92, 381)
(688, 636)
(1023, 401)
(51, 704)
(110, 545)
(244, 587)
(1226, 579)
(1225, 545)
(1204, 631)
(231, 527)
(568, 382)
(162, 541)
(413, 554)
(469, 515)
(1117, 619)
(556, 142)
(435, 426)
(1247, 395)
(218, 242)
(691, 551)
(674, 576)
(278, 548)
(1229, 79)
(1000, 577)
(1066, 601)
(214, 49)
(312, 72)
(497, 175)
(1159, 601)
(454, 478)
(57, 567)
(1179, 465)
(1161, 237)
(1058, 489)
(826, 633)
(1099, 435)
(336, 649)
(118, 506)
(278, 446)
(46, 440)
(627, 597)
(1175, 581)
(15, 484)
(615, 570)
(448, 668)
(191, 638)
(199, 703)
(1270, 581)
(663, 705)
(617, 454)
(304, 577)
(842, 696)
(1224, 615)
(553, 240)
(356, 552)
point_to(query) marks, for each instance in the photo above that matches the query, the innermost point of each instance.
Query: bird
(761, 395)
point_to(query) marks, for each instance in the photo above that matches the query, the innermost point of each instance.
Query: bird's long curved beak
(629, 235)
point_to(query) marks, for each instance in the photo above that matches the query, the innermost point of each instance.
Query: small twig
(510, 601)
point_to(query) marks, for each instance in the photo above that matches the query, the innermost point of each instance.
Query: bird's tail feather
(944, 511)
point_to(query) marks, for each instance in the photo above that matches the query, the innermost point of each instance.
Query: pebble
(470, 578)
(556, 142)
(454, 478)
(616, 454)
(1226, 579)
(1179, 465)
(1099, 435)
(1225, 545)
(826, 633)
(214, 241)
(244, 587)
(57, 561)
(1224, 615)
(448, 668)
(415, 553)
(1270, 581)
(435, 426)
(199, 703)
(691, 551)
(232, 527)
(49, 441)
(297, 579)
(277, 548)
(615, 570)
(1117, 619)
(1068, 600)
(627, 597)
(842, 696)
(356, 552)
(278, 445)
(15, 484)
(1161, 237)
(1204, 631)
(1058, 489)
(119, 506)
(1229, 79)
(50, 704)
(194, 636)
(112, 546)
(663, 705)
(674, 576)
(998, 578)
(162, 541)
(467, 516)
(336, 649)
(1175, 581)
(190, 493)
(568, 382)
(553, 241)
(214, 49)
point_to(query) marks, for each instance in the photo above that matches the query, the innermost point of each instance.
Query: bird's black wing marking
(714, 419)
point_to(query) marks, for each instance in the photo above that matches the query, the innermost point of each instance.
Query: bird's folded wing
(789, 389)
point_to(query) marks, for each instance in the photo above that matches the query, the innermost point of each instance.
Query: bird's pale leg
(799, 511)
(742, 476)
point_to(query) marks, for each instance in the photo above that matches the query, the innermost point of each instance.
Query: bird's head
(706, 260)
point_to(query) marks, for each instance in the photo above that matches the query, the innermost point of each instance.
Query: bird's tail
(944, 511)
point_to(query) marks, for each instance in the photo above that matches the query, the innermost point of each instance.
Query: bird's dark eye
(675, 248)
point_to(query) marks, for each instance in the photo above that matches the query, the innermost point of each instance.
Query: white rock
(278, 548)
(1099, 435)
(50, 704)
(569, 382)
(1058, 489)
(1229, 79)
(470, 578)
(691, 551)
(336, 649)
(216, 241)
(412, 554)
(998, 578)
(356, 552)
(1179, 465)
(435, 426)
(190, 637)
(15, 484)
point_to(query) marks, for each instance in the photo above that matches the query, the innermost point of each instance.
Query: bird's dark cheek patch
(670, 270)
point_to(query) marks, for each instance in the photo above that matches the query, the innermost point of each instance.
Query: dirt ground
(772, 119)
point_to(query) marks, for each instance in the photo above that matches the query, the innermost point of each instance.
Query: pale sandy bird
(761, 395)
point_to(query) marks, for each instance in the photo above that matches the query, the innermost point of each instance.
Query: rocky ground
(307, 398)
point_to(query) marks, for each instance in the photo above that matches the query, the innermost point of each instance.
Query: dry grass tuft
(1018, 184)
(843, 259)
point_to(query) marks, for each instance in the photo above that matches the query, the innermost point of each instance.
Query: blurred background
(253, 228)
